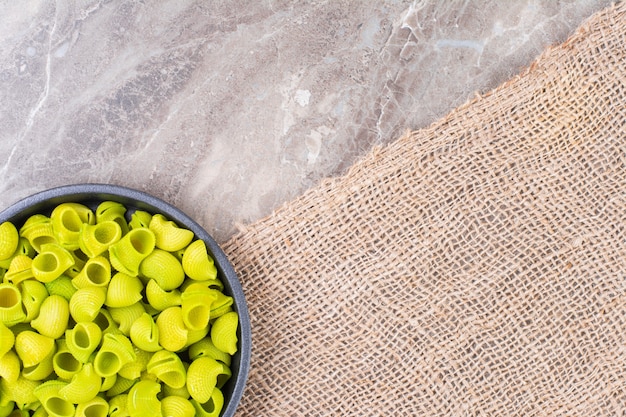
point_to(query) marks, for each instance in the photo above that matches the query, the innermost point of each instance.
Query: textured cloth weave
(475, 267)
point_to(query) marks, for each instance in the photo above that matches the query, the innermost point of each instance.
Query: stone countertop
(228, 109)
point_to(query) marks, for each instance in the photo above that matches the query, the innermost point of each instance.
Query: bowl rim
(22, 209)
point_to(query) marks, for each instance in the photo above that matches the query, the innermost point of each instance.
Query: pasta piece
(79, 263)
(126, 254)
(51, 262)
(56, 406)
(41, 370)
(140, 218)
(83, 340)
(97, 407)
(34, 294)
(178, 392)
(197, 263)
(206, 348)
(168, 368)
(67, 220)
(126, 316)
(53, 316)
(172, 330)
(121, 386)
(9, 239)
(11, 311)
(7, 339)
(215, 284)
(7, 409)
(142, 399)
(117, 406)
(144, 333)
(194, 336)
(168, 235)
(108, 382)
(96, 273)
(202, 378)
(86, 303)
(84, 386)
(161, 299)
(105, 322)
(224, 332)
(61, 286)
(96, 239)
(38, 231)
(123, 290)
(32, 347)
(116, 351)
(196, 303)
(164, 268)
(21, 391)
(211, 408)
(23, 248)
(221, 305)
(177, 407)
(133, 370)
(112, 211)
(19, 269)
(64, 364)
(10, 367)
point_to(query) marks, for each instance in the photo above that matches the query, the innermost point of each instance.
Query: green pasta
(168, 368)
(174, 406)
(96, 272)
(85, 304)
(112, 211)
(172, 330)
(159, 298)
(126, 254)
(19, 269)
(51, 262)
(116, 351)
(7, 339)
(9, 239)
(168, 235)
(197, 263)
(10, 367)
(83, 387)
(164, 268)
(96, 239)
(64, 363)
(126, 316)
(96, 407)
(34, 294)
(32, 347)
(144, 333)
(38, 231)
(98, 317)
(142, 399)
(67, 220)
(11, 311)
(83, 339)
(50, 398)
(224, 332)
(123, 290)
(53, 316)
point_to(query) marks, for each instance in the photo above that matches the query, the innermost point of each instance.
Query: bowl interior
(93, 194)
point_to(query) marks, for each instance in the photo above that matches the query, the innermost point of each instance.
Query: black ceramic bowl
(93, 194)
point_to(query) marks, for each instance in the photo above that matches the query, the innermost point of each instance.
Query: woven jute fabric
(476, 267)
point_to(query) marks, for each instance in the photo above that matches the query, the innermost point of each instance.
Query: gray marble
(229, 108)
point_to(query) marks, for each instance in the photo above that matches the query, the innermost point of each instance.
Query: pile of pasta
(104, 316)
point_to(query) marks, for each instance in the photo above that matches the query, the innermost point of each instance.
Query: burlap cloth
(475, 267)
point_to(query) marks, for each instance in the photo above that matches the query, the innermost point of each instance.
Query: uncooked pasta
(111, 313)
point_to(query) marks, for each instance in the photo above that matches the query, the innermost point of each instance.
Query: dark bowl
(93, 194)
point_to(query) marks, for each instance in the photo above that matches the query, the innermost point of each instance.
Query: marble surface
(230, 108)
